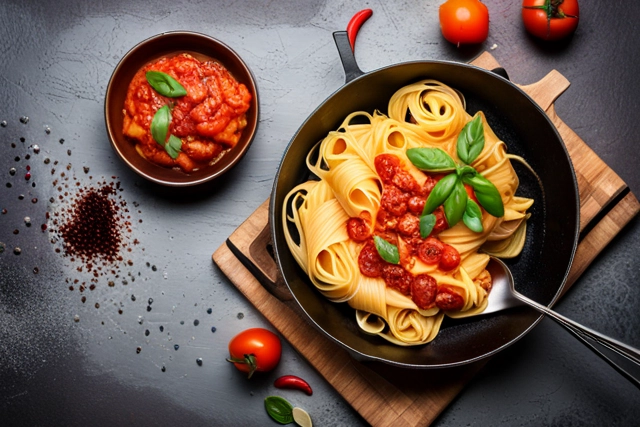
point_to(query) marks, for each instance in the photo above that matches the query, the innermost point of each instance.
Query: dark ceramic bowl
(167, 44)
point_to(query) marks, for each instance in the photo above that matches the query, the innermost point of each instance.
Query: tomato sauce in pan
(402, 202)
(209, 119)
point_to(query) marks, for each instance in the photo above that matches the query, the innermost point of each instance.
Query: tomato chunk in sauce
(209, 119)
(398, 219)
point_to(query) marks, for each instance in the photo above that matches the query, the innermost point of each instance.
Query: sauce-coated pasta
(368, 191)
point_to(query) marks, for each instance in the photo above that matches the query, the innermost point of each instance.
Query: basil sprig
(160, 124)
(427, 222)
(160, 129)
(173, 146)
(434, 160)
(165, 85)
(471, 140)
(456, 203)
(486, 193)
(279, 409)
(472, 216)
(388, 251)
(450, 190)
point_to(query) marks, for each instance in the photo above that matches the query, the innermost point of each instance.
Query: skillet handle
(253, 248)
(501, 72)
(347, 57)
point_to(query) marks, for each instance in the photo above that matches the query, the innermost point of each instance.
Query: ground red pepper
(92, 230)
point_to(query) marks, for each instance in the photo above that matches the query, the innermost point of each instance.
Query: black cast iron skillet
(540, 271)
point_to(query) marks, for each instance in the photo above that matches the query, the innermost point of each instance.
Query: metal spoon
(620, 356)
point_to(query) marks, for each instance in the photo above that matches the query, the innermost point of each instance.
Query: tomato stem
(552, 9)
(249, 359)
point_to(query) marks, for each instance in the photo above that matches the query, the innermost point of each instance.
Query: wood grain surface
(386, 395)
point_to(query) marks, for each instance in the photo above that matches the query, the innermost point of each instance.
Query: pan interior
(539, 272)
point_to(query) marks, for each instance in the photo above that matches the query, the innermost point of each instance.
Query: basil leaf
(173, 146)
(165, 85)
(487, 194)
(466, 171)
(456, 204)
(431, 159)
(279, 409)
(472, 217)
(387, 251)
(440, 192)
(427, 222)
(160, 124)
(471, 140)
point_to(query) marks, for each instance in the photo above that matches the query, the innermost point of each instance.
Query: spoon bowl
(503, 293)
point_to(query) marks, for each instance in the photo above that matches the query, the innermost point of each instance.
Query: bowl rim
(112, 132)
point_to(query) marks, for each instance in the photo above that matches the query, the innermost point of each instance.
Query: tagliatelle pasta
(363, 233)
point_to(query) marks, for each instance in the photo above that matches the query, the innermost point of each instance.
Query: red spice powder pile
(93, 227)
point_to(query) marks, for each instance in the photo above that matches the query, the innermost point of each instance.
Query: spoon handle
(607, 348)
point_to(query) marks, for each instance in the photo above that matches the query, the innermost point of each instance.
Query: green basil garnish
(431, 159)
(486, 193)
(165, 85)
(173, 146)
(427, 222)
(466, 170)
(279, 409)
(440, 192)
(160, 124)
(450, 191)
(471, 140)
(456, 203)
(472, 217)
(160, 128)
(387, 251)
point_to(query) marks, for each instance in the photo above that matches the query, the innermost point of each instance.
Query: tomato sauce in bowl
(208, 120)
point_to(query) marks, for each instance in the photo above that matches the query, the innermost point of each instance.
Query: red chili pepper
(355, 23)
(291, 381)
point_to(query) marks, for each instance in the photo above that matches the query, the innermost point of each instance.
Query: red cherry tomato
(423, 291)
(394, 200)
(450, 258)
(386, 166)
(464, 21)
(370, 261)
(441, 221)
(409, 225)
(255, 349)
(448, 298)
(416, 204)
(405, 181)
(396, 277)
(430, 251)
(550, 19)
(428, 185)
(358, 229)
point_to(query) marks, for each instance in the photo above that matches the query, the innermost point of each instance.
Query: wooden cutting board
(389, 396)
